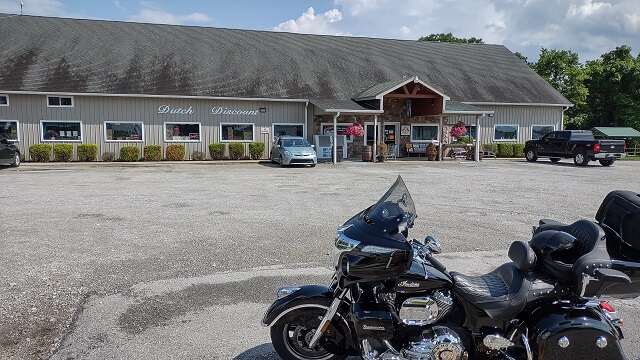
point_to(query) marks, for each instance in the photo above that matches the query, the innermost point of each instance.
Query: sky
(587, 27)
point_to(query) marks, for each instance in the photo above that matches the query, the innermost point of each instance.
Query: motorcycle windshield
(394, 208)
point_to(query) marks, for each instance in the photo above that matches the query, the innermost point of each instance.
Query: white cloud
(311, 23)
(151, 12)
(35, 7)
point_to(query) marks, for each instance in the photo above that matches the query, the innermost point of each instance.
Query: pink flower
(355, 130)
(458, 129)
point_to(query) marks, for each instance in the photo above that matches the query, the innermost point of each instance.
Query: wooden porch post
(375, 136)
(478, 143)
(335, 138)
(441, 138)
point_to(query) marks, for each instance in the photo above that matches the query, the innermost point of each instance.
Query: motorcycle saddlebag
(619, 215)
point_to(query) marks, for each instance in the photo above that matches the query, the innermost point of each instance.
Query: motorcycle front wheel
(291, 336)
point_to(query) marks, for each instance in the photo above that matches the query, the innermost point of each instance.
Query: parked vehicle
(293, 150)
(390, 298)
(9, 153)
(577, 144)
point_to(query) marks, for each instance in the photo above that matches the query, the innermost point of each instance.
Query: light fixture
(263, 110)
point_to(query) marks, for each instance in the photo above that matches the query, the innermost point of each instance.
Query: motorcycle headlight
(377, 249)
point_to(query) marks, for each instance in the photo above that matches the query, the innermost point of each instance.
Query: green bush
(256, 149)
(62, 152)
(197, 156)
(175, 152)
(493, 147)
(464, 140)
(129, 153)
(216, 151)
(108, 156)
(518, 150)
(40, 152)
(505, 150)
(236, 151)
(87, 152)
(152, 153)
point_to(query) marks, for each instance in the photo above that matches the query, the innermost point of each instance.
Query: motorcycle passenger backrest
(522, 255)
(619, 213)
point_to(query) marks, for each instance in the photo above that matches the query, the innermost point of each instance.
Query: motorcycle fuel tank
(419, 278)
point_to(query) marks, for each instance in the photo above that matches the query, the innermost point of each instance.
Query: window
(182, 132)
(60, 101)
(123, 131)
(236, 132)
(4, 100)
(327, 129)
(61, 130)
(505, 132)
(471, 130)
(424, 133)
(288, 129)
(9, 130)
(538, 131)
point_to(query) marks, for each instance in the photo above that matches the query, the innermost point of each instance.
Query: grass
(631, 158)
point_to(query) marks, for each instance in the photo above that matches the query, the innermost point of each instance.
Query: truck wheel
(531, 155)
(580, 158)
(554, 159)
(607, 162)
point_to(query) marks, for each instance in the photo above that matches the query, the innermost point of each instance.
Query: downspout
(478, 143)
(335, 138)
(306, 118)
(564, 108)
(375, 136)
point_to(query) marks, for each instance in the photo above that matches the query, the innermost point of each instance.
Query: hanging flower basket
(458, 129)
(355, 130)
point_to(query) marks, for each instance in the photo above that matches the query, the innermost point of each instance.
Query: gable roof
(616, 132)
(94, 56)
(379, 90)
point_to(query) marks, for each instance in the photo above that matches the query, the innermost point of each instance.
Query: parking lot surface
(180, 260)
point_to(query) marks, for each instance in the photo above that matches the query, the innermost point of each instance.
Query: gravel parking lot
(91, 234)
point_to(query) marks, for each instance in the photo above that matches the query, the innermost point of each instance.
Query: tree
(450, 38)
(562, 69)
(614, 89)
(523, 58)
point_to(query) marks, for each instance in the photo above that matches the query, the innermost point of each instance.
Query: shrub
(175, 152)
(108, 156)
(432, 150)
(216, 151)
(62, 152)
(518, 150)
(236, 151)
(152, 153)
(505, 150)
(464, 140)
(129, 153)
(383, 150)
(87, 152)
(197, 156)
(40, 152)
(491, 147)
(256, 149)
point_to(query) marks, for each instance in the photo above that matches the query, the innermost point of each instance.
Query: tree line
(604, 92)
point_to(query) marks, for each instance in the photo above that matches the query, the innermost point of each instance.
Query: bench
(416, 149)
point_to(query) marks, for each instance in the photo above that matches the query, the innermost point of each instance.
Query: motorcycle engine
(426, 310)
(438, 343)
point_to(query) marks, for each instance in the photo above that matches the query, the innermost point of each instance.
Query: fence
(633, 151)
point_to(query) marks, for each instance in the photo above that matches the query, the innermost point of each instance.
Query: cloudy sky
(588, 27)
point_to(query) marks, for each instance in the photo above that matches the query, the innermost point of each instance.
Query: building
(118, 83)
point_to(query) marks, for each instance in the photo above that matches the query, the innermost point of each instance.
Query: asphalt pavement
(180, 260)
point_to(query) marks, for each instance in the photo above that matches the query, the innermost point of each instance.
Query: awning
(458, 108)
(616, 132)
(344, 106)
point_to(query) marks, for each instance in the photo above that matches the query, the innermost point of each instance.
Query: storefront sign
(405, 130)
(219, 110)
(167, 109)
(264, 130)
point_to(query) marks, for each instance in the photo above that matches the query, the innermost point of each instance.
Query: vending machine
(324, 145)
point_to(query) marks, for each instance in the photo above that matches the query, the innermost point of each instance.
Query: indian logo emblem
(408, 284)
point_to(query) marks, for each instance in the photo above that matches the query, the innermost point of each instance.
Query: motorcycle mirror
(432, 244)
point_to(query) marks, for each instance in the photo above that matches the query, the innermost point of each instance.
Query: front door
(368, 133)
(391, 137)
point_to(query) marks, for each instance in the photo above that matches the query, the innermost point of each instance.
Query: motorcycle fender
(309, 296)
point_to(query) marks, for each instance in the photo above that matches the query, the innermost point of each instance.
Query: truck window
(582, 135)
(563, 136)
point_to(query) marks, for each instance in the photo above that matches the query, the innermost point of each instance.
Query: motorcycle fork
(326, 320)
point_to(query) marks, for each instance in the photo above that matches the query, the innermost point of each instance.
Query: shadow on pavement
(260, 352)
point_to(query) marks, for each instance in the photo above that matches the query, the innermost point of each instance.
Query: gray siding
(93, 111)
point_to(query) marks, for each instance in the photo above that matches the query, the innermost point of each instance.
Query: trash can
(367, 153)
(339, 155)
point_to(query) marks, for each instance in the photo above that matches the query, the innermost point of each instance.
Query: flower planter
(381, 158)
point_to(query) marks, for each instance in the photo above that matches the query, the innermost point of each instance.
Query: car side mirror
(313, 146)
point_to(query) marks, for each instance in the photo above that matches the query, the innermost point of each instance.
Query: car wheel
(531, 155)
(16, 160)
(580, 158)
(607, 162)
(313, 165)
(554, 159)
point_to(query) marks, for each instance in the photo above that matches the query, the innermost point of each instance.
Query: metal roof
(616, 132)
(44, 54)
(350, 106)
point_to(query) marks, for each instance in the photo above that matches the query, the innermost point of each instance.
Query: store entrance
(391, 136)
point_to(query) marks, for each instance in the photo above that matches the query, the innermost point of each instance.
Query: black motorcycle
(391, 299)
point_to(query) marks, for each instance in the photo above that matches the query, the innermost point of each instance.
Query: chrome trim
(525, 341)
(286, 291)
(563, 342)
(601, 342)
(328, 316)
(496, 342)
(296, 308)
(419, 311)
(343, 242)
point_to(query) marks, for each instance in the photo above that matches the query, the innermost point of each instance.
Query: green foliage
(450, 38)
(87, 152)
(493, 147)
(523, 58)
(62, 152)
(40, 152)
(236, 151)
(505, 150)
(468, 139)
(383, 149)
(216, 151)
(108, 156)
(518, 150)
(432, 150)
(152, 153)
(129, 153)
(197, 156)
(256, 149)
(175, 152)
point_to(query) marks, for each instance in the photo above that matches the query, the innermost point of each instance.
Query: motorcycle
(390, 298)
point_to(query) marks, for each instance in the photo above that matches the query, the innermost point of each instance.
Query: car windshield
(295, 143)
(395, 205)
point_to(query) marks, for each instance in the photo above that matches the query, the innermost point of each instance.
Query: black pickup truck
(577, 144)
